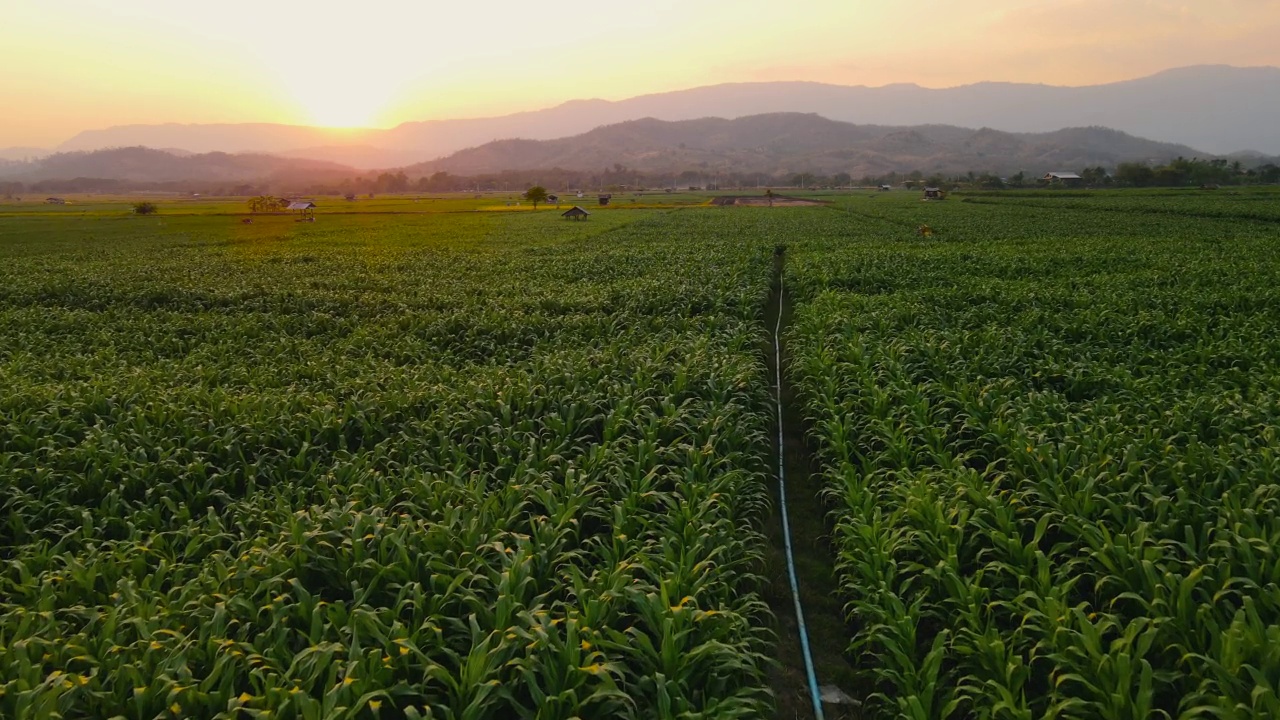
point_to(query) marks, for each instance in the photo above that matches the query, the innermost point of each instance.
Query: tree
(145, 208)
(535, 195)
(1134, 174)
(387, 182)
(266, 203)
(1095, 176)
(989, 181)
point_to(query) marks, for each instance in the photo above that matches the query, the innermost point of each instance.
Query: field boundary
(813, 564)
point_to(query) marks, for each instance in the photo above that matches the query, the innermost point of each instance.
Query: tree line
(1180, 172)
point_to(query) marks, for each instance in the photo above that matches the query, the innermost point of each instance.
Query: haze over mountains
(795, 142)
(145, 165)
(773, 144)
(1212, 108)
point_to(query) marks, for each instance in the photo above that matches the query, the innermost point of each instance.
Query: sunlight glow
(79, 64)
(338, 107)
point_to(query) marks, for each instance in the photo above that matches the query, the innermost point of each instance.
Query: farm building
(604, 199)
(886, 188)
(55, 201)
(553, 198)
(575, 213)
(933, 193)
(1063, 178)
(305, 208)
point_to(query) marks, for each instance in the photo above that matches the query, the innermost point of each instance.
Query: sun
(341, 99)
(339, 113)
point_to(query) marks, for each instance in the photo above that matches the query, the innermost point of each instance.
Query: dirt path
(814, 556)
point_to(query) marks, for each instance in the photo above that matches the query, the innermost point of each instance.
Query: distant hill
(1216, 108)
(771, 143)
(145, 165)
(19, 154)
(795, 142)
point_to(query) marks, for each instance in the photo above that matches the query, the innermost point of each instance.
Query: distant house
(305, 208)
(575, 213)
(1068, 179)
(933, 193)
(886, 188)
(604, 199)
(349, 197)
(553, 198)
(54, 201)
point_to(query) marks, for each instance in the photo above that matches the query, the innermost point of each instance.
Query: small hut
(575, 213)
(553, 198)
(1063, 179)
(305, 208)
(933, 193)
(604, 199)
(55, 201)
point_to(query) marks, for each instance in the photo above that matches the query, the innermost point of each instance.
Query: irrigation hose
(814, 694)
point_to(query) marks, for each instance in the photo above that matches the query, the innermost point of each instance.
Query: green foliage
(338, 471)
(1052, 443)
(1182, 172)
(267, 203)
(350, 475)
(145, 208)
(536, 194)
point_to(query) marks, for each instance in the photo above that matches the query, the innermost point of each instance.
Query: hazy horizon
(89, 64)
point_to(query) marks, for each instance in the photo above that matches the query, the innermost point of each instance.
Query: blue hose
(814, 694)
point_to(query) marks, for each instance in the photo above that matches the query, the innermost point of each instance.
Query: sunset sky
(71, 65)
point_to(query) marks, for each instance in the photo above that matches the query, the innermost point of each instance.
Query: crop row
(376, 472)
(1053, 458)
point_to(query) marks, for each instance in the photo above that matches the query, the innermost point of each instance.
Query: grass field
(98, 205)
(437, 458)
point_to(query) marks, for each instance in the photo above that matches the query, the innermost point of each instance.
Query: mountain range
(772, 144)
(1214, 108)
(145, 165)
(795, 142)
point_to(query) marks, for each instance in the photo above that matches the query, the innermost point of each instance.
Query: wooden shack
(1064, 179)
(933, 193)
(575, 213)
(305, 208)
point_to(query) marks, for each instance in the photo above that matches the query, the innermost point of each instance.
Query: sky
(72, 65)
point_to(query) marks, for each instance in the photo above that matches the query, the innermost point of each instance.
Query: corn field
(1051, 437)
(493, 465)
(474, 468)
